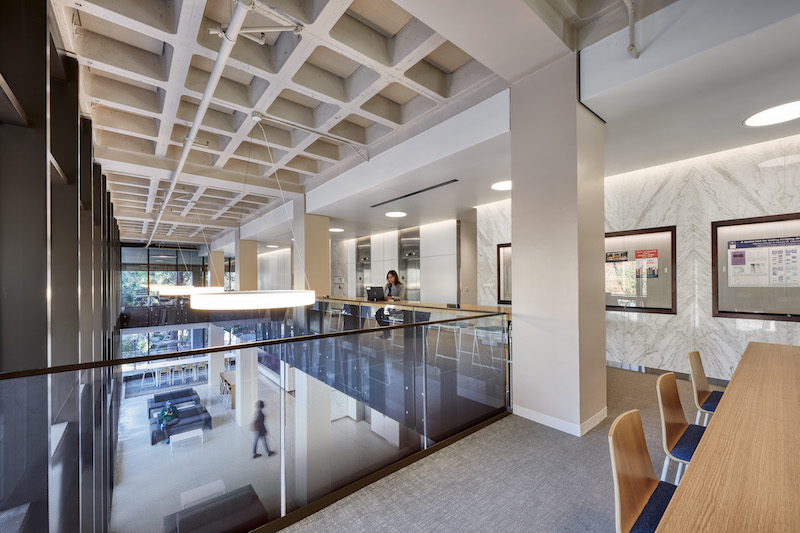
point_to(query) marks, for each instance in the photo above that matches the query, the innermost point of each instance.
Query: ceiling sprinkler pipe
(229, 39)
(632, 50)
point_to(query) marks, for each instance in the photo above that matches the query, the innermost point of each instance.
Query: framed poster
(640, 271)
(755, 268)
(504, 274)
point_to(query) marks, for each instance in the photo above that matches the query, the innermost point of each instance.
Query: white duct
(632, 50)
(229, 39)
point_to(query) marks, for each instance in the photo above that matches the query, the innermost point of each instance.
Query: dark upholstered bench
(238, 510)
(158, 401)
(190, 417)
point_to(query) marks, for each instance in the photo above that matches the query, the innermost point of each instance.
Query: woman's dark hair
(396, 277)
(260, 404)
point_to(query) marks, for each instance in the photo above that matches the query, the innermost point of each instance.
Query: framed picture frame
(641, 272)
(504, 274)
(755, 268)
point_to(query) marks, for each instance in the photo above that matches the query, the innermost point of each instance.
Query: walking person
(260, 431)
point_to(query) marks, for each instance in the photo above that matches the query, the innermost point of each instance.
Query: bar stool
(705, 399)
(174, 370)
(149, 371)
(202, 366)
(680, 438)
(640, 499)
(160, 373)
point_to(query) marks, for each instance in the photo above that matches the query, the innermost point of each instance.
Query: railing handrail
(225, 348)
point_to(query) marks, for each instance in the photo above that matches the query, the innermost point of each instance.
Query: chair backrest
(634, 477)
(673, 421)
(700, 386)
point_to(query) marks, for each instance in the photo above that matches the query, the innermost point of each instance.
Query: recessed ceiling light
(336, 230)
(502, 186)
(272, 246)
(775, 115)
(395, 214)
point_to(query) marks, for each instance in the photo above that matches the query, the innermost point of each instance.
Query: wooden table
(745, 474)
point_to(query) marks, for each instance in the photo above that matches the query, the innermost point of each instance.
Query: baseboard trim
(593, 421)
(547, 420)
(657, 371)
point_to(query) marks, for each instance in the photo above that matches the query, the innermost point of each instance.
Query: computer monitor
(375, 294)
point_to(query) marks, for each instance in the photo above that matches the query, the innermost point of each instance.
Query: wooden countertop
(745, 474)
(431, 305)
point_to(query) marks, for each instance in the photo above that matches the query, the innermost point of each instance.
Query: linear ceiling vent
(426, 189)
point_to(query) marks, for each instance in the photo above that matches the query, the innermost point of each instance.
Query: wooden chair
(705, 399)
(680, 438)
(640, 499)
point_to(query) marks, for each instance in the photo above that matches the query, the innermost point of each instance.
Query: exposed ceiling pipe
(632, 50)
(229, 39)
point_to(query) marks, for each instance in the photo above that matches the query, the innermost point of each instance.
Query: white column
(557, 239)
(216, 360)
(246, 385)
(312, 438)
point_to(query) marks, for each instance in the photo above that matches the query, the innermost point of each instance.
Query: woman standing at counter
(394, 289)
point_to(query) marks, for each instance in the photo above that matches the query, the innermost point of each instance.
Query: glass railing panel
(465, 374)
(345, 412)
(209, 472)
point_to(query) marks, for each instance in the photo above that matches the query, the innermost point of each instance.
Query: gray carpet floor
(512, 476)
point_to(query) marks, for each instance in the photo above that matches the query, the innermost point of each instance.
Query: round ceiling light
(502, 186)
(775, 115)
(334, 230)
(395, 214)
(250, 300)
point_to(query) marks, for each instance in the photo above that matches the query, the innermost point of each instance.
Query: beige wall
(557, 235)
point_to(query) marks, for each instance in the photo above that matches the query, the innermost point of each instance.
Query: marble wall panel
(494, 227)
(757, 180)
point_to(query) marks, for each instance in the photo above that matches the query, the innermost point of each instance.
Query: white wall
(383, 256)
(438, 263)
(494, 227)
(691, 194)
(275, 270)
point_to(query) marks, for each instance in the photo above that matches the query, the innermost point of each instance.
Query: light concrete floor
(148, 480)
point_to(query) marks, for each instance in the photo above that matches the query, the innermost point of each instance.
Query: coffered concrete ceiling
(360, 77)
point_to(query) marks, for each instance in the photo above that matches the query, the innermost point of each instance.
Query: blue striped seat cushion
(711, 402)
(686, 445)
(651, 514)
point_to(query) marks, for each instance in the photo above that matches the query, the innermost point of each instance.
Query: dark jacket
(167, 414)
(258, 423)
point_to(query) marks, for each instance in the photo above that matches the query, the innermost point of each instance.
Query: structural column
(246, 265)
(558, 241)
(312, 251)
(312, 438)
(216, 269)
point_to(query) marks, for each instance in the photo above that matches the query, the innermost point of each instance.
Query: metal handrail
(226, 348)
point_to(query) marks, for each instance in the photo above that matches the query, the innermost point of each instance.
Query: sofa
(189, 417)
(238, 510)
(158, 401)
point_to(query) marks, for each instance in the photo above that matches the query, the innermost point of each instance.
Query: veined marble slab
(757, 180)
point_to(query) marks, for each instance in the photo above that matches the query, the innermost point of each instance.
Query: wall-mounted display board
(755, 266)
(640, 271)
